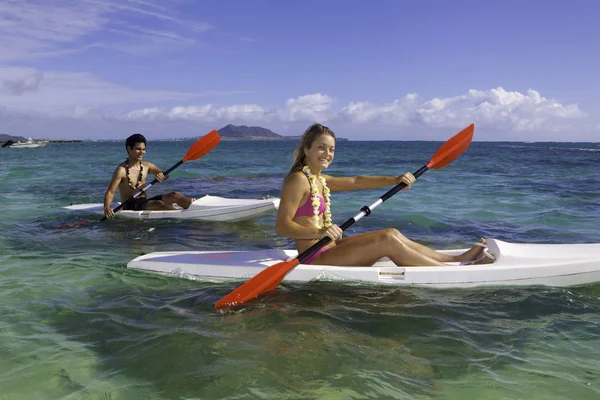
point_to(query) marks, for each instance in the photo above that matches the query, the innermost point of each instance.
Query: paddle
(199, 149)
(269, 278)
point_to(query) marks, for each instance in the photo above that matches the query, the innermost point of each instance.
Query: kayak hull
(207, 208)
(515, 265)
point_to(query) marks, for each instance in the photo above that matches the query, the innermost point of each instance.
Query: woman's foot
(484, 256)
(473, 254)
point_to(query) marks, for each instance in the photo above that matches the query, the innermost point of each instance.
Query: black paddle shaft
(365, 211)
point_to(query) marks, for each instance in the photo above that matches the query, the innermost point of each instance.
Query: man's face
(137, 152)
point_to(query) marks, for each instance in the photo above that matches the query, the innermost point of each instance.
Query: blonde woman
(304, 213)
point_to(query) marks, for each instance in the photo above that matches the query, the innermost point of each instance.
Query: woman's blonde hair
(310, 135)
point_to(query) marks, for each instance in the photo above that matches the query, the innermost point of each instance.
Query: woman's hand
(334, 232)
(407, 178)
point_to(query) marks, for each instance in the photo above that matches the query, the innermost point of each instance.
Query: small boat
(28, 144)
(207, 208)
(515, 265)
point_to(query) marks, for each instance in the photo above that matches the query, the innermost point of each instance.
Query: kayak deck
(206, 208)
(516, 264)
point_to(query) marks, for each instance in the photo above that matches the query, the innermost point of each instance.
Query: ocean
(75, 323)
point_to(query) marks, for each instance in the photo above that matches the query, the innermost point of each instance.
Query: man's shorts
(140, 203)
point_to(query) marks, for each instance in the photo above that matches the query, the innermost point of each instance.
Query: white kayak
(515, 264)
(207, 208)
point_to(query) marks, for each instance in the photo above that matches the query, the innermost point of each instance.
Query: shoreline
(229, 139)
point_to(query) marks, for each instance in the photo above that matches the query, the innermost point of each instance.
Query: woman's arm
(337, 184)
(294, 189)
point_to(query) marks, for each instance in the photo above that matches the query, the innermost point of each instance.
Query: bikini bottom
(314, 255)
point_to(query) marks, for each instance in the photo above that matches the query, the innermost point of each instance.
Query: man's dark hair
(133, 139)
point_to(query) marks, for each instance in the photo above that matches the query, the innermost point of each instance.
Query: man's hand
(108, 212)
(161, 177)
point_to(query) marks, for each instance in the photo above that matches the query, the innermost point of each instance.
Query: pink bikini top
(306, 210)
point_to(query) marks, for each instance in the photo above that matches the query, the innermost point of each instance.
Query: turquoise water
(76, 324)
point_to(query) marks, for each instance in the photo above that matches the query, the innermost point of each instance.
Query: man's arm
(157, 172)
(110, 192)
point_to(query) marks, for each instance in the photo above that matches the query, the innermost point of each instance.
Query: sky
(369, 70)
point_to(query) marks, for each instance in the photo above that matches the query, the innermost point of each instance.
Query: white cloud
(494, 108)
(314, 107)
(61, 93)
(28, 83)
(36, 29)
(397, 112)
(497, 107)
(86, 98)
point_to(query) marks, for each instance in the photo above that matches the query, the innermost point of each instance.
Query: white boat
(515, 265)
(28, 144)
(207, 208)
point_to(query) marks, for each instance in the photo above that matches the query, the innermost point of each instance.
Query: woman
(304, 214)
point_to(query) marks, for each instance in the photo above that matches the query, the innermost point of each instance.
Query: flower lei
(315, 198)
(140, 175)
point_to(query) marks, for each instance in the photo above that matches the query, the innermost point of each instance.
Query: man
(130, 176)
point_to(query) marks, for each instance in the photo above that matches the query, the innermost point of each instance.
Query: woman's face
(320, 154)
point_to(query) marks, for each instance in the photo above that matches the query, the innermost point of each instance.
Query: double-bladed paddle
(199, 149)
(268, 279)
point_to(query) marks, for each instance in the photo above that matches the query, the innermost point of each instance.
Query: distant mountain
(243, 132)
(247, 132)
(4, 137)
(229, 132)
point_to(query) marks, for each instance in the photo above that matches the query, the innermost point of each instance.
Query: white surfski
(207, 208)
(516, 264)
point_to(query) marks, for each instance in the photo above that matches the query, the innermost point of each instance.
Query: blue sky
(381, 70)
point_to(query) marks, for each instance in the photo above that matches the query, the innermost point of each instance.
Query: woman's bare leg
(368, 248)
(469, 255)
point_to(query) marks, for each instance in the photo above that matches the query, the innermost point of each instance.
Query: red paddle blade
(265, 281)
(453, 148)
(202, 146)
